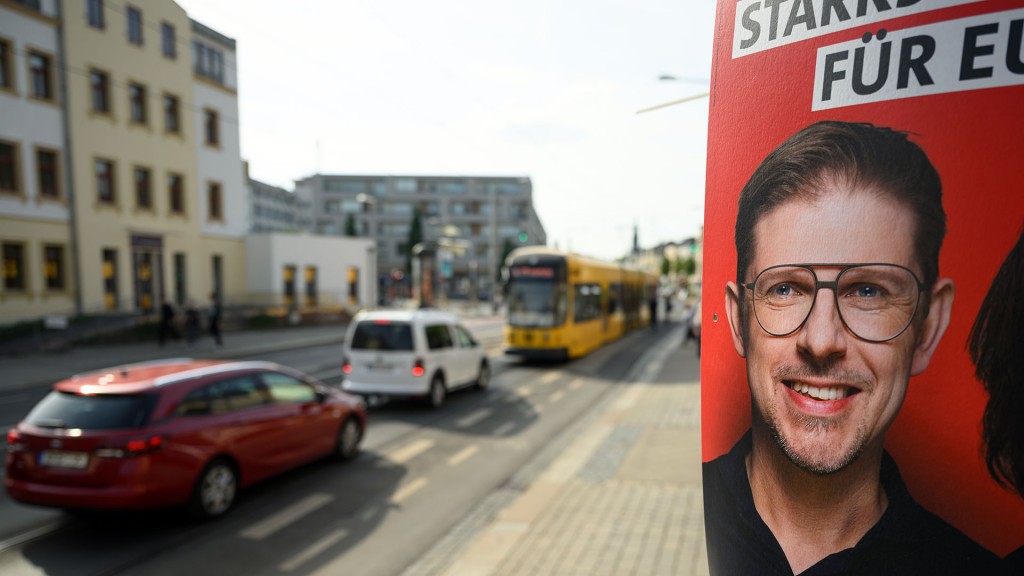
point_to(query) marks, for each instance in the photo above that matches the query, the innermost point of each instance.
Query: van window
(382, 336)
(465, 338)
(438, 336)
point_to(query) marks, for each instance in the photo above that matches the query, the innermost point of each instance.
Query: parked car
(175, 432)
(421, 353)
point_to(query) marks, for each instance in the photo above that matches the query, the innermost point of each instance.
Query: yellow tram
(562, 305)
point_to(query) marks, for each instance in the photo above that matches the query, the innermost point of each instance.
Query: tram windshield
(536, 299)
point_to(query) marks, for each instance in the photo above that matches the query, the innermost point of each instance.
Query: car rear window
(93, 412)
(376, 335)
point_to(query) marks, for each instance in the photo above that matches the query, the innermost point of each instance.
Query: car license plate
(60, 459)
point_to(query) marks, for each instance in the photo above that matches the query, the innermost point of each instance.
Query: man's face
(823, 394)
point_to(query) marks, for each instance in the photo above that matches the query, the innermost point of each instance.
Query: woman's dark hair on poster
(996, 345)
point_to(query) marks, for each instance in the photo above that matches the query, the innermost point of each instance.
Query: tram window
(587, 302)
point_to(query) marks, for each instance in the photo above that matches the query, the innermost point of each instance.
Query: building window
(171, 118)
(143, 189)
(105, 192)
(110, 278)
(167, 41)
(211, 128)
(176, 193)
(9, 174)
(6, 66)
(208, 62)
(48, 172)
(94, 13)
(137, 102)
(53, 267)
(41, 74)
(133, 18)
(99, 86)
(215, 201)
(14, 267)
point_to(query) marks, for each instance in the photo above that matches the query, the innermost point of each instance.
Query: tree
(350, 225)
(506, 248)
(666, 267)
(415, 237)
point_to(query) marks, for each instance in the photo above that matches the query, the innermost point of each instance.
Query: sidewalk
(619, 493)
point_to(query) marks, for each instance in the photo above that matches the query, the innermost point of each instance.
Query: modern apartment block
(121, 181)
(274, 209)
(478, 217)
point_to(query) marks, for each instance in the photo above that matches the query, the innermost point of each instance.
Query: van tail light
(418, 368)
(131, 448)
(346, 365)
(14, 443)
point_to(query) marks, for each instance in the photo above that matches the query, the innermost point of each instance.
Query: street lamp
(671, 78)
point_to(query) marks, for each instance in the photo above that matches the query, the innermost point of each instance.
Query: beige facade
(35, 241)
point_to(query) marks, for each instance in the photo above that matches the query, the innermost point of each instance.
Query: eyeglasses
(876, 302)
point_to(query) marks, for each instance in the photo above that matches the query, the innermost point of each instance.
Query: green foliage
(350, 225)
(506, 248)
(666, 267)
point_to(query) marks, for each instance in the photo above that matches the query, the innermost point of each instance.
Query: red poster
(949, 74)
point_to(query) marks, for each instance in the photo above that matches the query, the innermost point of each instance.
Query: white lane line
(556, 397)
(503, 429)
(523, 391)
(309, 553)
(410, 450)
(463, 455)
(277, 521)
(576, 384)
(408, 490)
(474, 417)
(48, 528)
(549, 378)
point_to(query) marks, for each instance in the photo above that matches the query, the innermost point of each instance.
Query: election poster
(949, 76)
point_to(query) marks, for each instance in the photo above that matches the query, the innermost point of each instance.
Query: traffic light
(523, 237)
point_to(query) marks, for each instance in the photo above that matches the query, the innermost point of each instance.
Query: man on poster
(837, 304)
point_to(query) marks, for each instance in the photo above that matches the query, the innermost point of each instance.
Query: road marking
(48, 528)
(309, 553)
(576, 384)
(549, 377)
(277, 521)
(369, 513)
(556, 397)
(408, 490)
(473, 418)
(410, 451)
(463, 455)
(523, 391)
(503, 429)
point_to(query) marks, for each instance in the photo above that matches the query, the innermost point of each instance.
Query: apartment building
(35, 233)
(478, 218)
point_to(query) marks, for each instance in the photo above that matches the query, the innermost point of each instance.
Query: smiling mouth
(821, 392)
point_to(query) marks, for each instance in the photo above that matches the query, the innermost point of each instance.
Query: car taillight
(346, 366)
(418, 369)
(14, 443)
(133, 447)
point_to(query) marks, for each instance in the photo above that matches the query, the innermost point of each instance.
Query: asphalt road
(420, 473)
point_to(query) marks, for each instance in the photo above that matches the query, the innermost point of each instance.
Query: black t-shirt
(906, 540)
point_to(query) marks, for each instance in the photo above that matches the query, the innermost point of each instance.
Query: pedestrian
(167, 329)
(215, 320)
(191, 323)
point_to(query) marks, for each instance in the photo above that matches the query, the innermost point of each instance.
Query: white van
(424, 353)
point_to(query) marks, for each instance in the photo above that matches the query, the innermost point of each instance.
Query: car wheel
(437, 392)
(350, 434)
(483, 379)
(215, 490)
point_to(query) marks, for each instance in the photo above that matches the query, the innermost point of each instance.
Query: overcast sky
(547, 89)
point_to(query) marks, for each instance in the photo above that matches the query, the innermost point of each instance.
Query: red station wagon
(175, 432)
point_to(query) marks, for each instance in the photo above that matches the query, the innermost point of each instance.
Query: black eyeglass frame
(834, 286)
